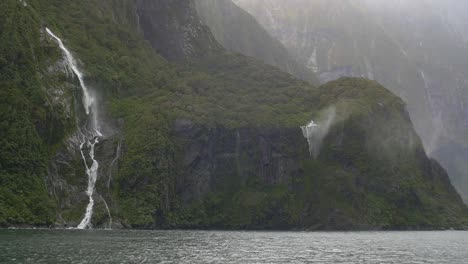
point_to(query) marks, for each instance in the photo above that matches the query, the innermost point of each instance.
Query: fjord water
(130, 246)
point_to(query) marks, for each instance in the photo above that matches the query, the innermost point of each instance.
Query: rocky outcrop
(174, 29)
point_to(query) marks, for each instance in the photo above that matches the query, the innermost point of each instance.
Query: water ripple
(99, 246)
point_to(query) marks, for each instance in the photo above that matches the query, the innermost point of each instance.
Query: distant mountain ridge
(415, 48)
(239, 32)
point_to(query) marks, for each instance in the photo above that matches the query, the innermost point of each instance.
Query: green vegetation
(350, 186)
(356, 183)
(28, 124)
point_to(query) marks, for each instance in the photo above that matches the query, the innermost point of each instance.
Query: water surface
(101, 246)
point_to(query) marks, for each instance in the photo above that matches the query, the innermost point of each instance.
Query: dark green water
(100, 246)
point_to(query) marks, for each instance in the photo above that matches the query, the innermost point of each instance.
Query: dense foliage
(28, 125)
(220, 92)
(371, 173)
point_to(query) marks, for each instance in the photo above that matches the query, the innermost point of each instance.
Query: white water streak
(315, 133)
(117, 156)
(108, 213)
(312, 64)
(89, 103)
(92, 177)
(369, 69)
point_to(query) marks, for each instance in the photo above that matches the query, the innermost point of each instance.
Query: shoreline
(464, 229)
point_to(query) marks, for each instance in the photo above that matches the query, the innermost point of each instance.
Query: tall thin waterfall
(92, 177)
(89, 135)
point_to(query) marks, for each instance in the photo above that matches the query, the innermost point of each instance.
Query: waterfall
(310, 132)
(108, 213)
(92, 177)
(315, 133)
(312, 64)
(111, 167)
(89, 135)
(87, 100)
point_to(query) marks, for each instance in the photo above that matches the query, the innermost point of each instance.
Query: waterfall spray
(89, 135)
(315, 133)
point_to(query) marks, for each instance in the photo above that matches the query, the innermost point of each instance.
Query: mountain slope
(33, 119)
(215, 140)
(415, 48)
(438, 47)
(239, 32)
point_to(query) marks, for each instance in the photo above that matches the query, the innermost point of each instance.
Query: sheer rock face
(219, 159)
(174, 29)
(238, 31)
(415, 48)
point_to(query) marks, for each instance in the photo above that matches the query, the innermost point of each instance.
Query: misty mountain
(130, 114)
(239, 32)
(417, 49)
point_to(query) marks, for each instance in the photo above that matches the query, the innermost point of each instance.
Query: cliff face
(215, 140)
(416, 49)
(453, 157)
(176, 30)
(239, 32)
(222, 159)
(369, 173)
(341, 38)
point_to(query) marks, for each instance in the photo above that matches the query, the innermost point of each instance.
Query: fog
(418, 49)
